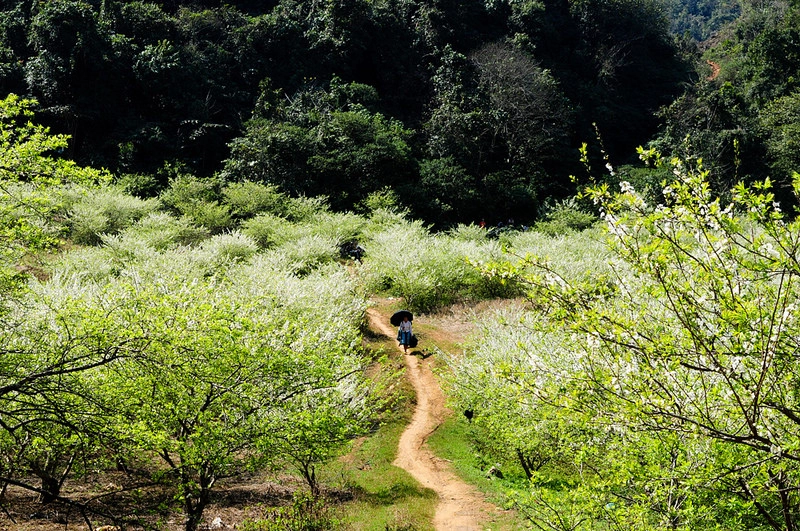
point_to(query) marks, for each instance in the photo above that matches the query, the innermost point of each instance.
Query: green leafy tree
(51, 340)
(779, 121)
(225, 369)
(497, 125)
(322, 143)
(692, 334)
(28, 169)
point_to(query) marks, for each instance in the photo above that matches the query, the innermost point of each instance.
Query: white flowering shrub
(470, 233)
(91, 263)
(674, 366)
(429, 271)
(307, 253)
(266, 229)
(223, 249)
(162, 230)
(340, 227)
(93, 212)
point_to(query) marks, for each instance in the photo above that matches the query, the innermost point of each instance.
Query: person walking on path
(404, 334)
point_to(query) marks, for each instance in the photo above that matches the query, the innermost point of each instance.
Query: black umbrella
(397, 317)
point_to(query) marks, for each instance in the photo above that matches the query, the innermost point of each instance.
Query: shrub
(138, 184)
(265, 229)
(306, 513)
(246, 199)
(185, 190)
(90, 263)
(161, 230)
(327, 291)
(307, 253)
(381, 219)
(469, 233)
(224, 249)
(565, 216)
(270, 230)
(108, 210)
(303, 208)
(383, 199)
(341, 227)
(198, 199)
(428, 271)
(574, 254)
(211, 215)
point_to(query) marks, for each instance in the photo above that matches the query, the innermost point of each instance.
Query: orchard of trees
(177, 181)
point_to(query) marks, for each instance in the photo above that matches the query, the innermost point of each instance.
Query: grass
(384, 497)
(452, 442)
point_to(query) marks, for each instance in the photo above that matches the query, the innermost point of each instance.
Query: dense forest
(466, 109)
(199, 202)
(474, 108)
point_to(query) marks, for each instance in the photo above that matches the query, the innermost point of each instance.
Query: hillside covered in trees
(200, 202)
(467, 109)
(476, 108)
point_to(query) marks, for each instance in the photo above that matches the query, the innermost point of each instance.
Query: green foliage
(654, 392)
(779, 119)
(385, 198)
(307, 513)
(198, 199)
(248, 199)
(266, 229)
(327, 229)
(346, 99)
(565, 216)
(139, 185)
(701, 20)
(739, 118)
(236, 365)
(315, 143)
(28, 175)
(185, 190)
(161, 231)
(92, 213)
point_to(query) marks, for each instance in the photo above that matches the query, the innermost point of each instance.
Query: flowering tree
(677, 365)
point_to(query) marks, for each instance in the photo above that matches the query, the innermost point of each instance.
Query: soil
(461, 507)
(715, 69)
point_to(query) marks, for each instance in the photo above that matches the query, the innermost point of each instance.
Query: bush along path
(461, 506)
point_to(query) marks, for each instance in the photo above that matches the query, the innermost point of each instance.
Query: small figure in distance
(351, 250)
(404, 334)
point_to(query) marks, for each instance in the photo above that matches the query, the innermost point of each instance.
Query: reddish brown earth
(715, 68)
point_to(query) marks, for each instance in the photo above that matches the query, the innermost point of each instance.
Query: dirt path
(461, 507)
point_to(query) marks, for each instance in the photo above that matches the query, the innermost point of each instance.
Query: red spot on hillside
(714, 70)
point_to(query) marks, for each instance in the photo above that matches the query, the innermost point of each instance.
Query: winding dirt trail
(461, 507)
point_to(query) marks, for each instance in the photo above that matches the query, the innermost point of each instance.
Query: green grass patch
(452, 442)
(384, 497)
